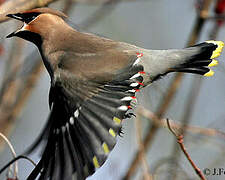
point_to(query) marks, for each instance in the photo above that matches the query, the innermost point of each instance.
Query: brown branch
(180, 138)
(168, 97)
(195, 86)
(16, 159)
(145, 167)
(151, 132)
(102, 1)
(9, 86)
(178, 126)
(169, 161)
(189, 107)
(12, 110)
(14, 155)
(217, 17)
(15, 6)
(100, 13)
(15, 90)
(68, 4)
(13, 64)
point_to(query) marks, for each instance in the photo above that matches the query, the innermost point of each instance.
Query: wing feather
(86, 117)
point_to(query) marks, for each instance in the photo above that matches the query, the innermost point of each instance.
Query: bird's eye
(28, 17)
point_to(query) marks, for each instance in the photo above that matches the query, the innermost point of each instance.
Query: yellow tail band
(218, 50)
(213, 63)
(210, 73)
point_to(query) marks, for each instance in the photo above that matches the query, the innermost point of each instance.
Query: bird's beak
(17, 16)
(13, 33)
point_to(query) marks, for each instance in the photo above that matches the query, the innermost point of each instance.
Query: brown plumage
(93, 86)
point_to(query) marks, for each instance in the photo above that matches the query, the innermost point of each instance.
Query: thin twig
(180, 138)
(16, 6)
(20, 87)
(168, 97)
(14, 160)
(151, 132)
(195, 86)
(145, 167)
(100, 13)
(13, 153)
(68, 4)
(217, 17)
(188, 110)
(175, 125)
(102, 1)
(170, 162)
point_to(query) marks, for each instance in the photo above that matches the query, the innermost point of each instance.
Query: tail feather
(196, 70)
(200, 62)
(196, 59)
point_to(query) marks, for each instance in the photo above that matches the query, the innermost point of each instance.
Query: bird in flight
(94, 81)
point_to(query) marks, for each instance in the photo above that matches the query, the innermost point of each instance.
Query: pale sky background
(153, 24)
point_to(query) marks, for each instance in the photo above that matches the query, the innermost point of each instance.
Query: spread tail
(200, 62)
(196, 59)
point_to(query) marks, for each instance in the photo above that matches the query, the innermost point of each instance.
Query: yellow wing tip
(112, 132)
(105, 148)
(213, 63)
(210, 73)
(218, 50)
(95, 162)
(117, 120)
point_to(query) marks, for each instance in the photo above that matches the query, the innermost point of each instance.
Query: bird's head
(38, 23)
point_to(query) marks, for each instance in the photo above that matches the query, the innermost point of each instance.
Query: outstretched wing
(85, 120)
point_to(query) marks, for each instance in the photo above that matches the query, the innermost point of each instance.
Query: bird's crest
(47, 10)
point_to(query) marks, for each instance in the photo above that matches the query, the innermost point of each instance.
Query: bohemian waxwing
(93, 86)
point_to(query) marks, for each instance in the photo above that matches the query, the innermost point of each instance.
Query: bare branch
(104, 10)
(151, 132)
(168, 97)
(145, 167)
(170, 165)
(13, 153)
(180, 142)
(15, 6)
(102, 1)
(15, 90)
(177, 127)
(14, 160)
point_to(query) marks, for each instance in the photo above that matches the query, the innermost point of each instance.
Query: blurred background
(195, 105)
